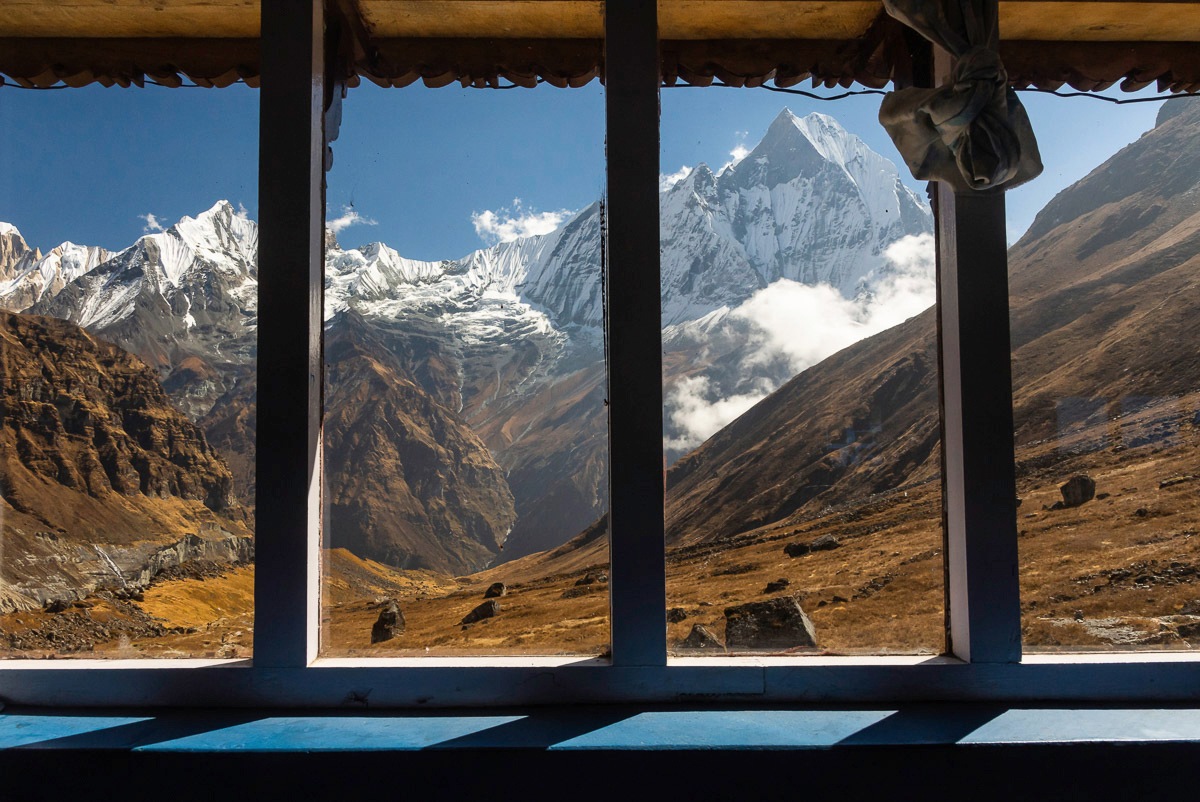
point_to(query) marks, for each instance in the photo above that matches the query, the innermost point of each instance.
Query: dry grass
(1120, 572)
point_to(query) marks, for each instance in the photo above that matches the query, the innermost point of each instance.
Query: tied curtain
(972, 132)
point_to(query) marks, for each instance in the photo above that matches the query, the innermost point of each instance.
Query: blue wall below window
(927, 751)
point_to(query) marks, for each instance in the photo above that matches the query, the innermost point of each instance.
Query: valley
(466, 441)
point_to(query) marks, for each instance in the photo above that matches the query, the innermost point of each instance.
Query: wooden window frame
(983, 660)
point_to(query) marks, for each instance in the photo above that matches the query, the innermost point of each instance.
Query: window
(299, 101)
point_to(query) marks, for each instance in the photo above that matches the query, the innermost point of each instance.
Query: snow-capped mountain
(507, 338)
(810, 203)
(26, 276)
(184, 300)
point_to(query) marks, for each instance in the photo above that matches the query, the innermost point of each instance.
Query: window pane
(128, 272)
(465, 428)
(800, 381)
(1107, 383)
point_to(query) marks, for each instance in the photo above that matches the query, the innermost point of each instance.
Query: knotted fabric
(972, 132)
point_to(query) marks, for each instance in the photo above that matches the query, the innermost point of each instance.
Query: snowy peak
(220, 233)
(15, 254)
(834, 143)
(33, 276)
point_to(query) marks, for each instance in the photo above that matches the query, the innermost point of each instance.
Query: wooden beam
(290, 367)
(979, 482)
(634, 327)
(130, 18)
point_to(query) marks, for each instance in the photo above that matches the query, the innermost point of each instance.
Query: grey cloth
(972, 132)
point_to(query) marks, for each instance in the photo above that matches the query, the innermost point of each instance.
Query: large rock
(495, 590)
(776, 624)
(701, 637)
(389, 624)
(489, 609)
(1077, 490)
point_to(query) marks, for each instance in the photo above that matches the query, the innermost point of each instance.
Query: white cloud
(739, 152)
(514, 222)
(795, 326)
(665, 182)
(152, 223)
(349, 217)
(695, 412)
(243, 212)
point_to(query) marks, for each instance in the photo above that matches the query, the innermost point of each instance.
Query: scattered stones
(676, 614)
(822, 543)
(1141, 512)
(734, 570)
(775, 624)
(777, 585)
(489, 609)
(576, 592)
(701, 637)
(1102, 496)
(1174, 480)
(496, 590)
(1191, 608)
(389, 624)
(1078, 490)
(839, 599)
(57, 605)
(592, 578)
(873, 586)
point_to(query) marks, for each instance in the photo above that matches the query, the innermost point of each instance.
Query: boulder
(775, 624)
(489, 609)
(592, 578)
(676, 614)
(796, 549)
(777, 585)
(389, 624)
(1077, 490)
(824, 543)
(496, 590)
(701, 637)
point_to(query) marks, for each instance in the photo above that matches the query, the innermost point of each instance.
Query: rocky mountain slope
(407, 482)
(104, 481)
(507, 339)
(1104, 286)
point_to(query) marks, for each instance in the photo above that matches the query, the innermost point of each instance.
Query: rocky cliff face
(185, 300)
(15, 255)
(98, 467)
(408, 483)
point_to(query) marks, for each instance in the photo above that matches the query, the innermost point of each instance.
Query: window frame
(299, 114)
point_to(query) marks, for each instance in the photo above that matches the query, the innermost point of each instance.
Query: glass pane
(800, 381)
(128, 276)
(1106, 381)
(465, 428)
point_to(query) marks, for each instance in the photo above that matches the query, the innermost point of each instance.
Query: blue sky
(426, 167)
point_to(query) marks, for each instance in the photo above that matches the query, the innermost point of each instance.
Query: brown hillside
(103, 479)
(408, 484)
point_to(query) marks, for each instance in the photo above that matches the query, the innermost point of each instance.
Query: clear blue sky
(87, 164)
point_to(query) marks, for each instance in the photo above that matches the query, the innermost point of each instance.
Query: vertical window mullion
(636, 481)
(291, 258)
(977, 423)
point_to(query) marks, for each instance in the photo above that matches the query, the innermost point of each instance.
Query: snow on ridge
(8, 228)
